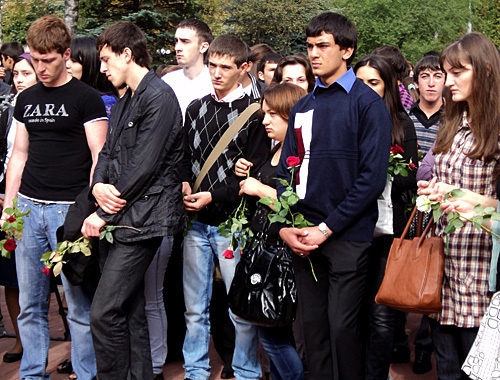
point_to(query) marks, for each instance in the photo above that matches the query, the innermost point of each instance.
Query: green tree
(17, 16)
(486, 19)
(279, 23)
(415, 27)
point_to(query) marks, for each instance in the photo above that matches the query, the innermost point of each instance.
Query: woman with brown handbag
(467, 152)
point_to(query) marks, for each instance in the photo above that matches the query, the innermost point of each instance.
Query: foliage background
(413, 26)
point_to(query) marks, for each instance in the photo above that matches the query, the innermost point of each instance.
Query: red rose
(396, 149)
(228, 254)
(412, 165)
(9, 245)
(293, 161)
(11, 219)
(46, 270)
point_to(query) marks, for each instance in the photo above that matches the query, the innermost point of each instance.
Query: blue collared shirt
(345, 81)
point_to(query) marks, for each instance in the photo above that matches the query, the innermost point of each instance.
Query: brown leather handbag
(414, 272)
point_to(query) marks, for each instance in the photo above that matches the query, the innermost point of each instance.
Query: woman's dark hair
(295, 59)
(391, 92)
(84, 52)
(483, 110)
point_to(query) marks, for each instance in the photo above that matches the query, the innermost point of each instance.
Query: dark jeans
(381, 318)
(285, 361)
(451, 346)
(423, 340)
(117, 320)
(330, 308)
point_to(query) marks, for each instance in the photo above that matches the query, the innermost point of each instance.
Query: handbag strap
(224, 141)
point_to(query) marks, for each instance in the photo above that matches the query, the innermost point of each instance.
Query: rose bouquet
(396, 163)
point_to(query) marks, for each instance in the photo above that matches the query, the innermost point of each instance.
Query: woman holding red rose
(276, 104)
(376, 72)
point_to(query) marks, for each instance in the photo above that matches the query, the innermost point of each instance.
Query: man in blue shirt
(341, 133)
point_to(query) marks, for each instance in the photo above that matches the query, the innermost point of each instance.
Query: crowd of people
(92, 137)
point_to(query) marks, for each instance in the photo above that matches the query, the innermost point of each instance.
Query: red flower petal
(46, 270)
(228, 254)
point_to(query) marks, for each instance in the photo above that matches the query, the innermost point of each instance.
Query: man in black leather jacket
(136, 184)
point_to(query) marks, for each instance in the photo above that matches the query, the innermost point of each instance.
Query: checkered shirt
(465, 293)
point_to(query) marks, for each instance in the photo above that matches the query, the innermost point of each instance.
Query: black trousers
(117, 320)
(330, 309)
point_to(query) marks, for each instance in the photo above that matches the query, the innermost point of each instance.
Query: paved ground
(60, 350)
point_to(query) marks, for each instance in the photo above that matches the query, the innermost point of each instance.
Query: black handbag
(263, 290)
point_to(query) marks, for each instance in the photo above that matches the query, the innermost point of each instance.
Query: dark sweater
(346, 160)
(205, 122)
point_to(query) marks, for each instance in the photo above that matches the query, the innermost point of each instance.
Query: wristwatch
(324, 230)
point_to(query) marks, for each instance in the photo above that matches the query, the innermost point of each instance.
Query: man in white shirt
(192, 39)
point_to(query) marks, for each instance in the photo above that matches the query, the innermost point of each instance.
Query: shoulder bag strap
(224, 142)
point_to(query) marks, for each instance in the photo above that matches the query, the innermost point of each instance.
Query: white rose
(423, 203)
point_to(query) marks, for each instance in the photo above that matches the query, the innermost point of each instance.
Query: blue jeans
(39, 236)
(155, 307)
(201, 245)
(285, 361)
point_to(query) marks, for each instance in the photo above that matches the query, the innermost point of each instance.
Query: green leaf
(478, 209)
(274, 218)
(277, 205)
(457, 223)
(234, 228)
(110, 228)
(86, 250)
(102, 235)
(109, 237)
(287, 193)
(436, 212)
(495, 216)
(46, 256)
(267, 201)
(57, 269)
(9, 210)
(283, 213)
(293, 199)
(282, 181)
(457, 193)
(403, 172)
(449, 229)
(75, 248)
(489, 210)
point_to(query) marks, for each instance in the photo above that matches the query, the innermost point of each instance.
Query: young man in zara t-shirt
(61, 127)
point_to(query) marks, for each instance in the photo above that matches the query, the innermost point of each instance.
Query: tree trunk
(71, 15)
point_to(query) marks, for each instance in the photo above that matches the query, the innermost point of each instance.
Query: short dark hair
(396, 58)
(268, 58)
(343, 31)
(125, 34)
(430, 62)
(202, 29)
(12, 49)
(230, 45)
(49, 33)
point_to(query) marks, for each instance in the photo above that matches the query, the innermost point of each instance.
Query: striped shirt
(426, 128)
(465, 293)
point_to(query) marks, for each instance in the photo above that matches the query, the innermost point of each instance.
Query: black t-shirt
(59, 158)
